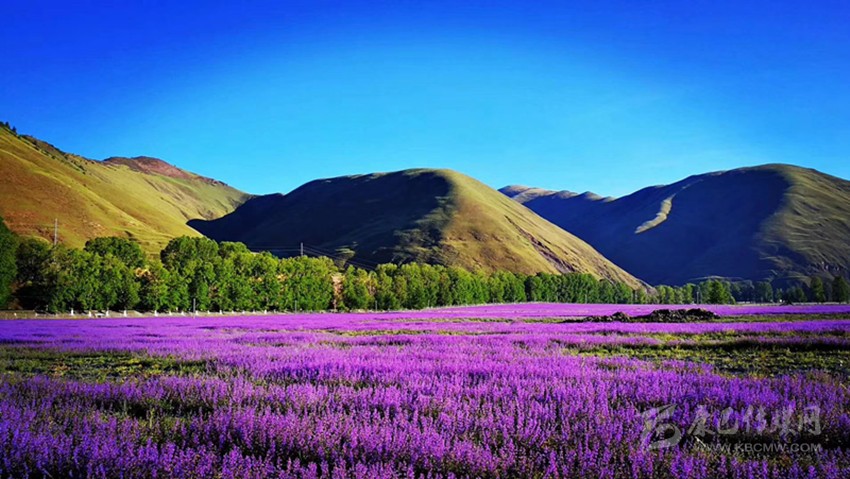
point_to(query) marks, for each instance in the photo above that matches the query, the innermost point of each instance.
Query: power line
(315, 251)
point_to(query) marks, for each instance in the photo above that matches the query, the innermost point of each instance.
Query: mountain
(436, 216)
(775, 221)
(144, 198)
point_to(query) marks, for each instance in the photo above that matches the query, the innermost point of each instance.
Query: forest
(199, 274)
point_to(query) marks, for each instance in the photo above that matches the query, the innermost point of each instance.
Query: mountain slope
(437, 216)
(768, 222)
(144, 198)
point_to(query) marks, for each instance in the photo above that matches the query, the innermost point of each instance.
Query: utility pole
(55, 231)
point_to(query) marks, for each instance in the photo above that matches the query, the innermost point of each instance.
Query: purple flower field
(422, 394)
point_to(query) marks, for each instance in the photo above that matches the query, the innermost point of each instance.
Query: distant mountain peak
(524, 194)
(773, 221)
(143, 198)
(426, 215)
(156, 166)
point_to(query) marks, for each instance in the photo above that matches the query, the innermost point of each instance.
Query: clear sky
(594, 95)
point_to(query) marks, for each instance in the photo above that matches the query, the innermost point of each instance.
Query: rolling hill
(436, 216)
(775, 221)
(144, 198)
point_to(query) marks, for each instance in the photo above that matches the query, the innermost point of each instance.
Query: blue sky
(597, 95)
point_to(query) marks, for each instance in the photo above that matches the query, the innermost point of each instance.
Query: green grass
(736, 354)
(91, 366)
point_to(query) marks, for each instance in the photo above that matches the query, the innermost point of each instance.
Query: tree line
(814, 290)
(199, 274)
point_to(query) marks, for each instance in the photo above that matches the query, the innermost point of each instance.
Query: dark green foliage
(126, 250)
(8, 264)
(817, 293)
(743, 290)
(81, 280)
(194, 261)
(307, 283)
(358, 289)
(200, 274)
(31, 256)
(386, 295)
(265, 283)
(154, 294)
(795, 295)
(717, 292)
(763, 292)
(840, 290)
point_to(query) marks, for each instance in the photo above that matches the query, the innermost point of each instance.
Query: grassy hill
(436, 216)
(143, 198)
(773, 221)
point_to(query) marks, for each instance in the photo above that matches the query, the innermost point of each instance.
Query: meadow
(501, 391)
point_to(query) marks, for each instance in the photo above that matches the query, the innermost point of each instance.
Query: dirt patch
(658, 316)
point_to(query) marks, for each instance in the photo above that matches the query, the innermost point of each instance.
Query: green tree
(31, 257)
(385, 292)
(117, 285)
(57, 281)
(126, 250)
(446, 293)
(153, 287)
(193, 261)
(624, 293)
(72, 279)
(357, 289)
(232, 286)
(178, 298)
(265, 281)
(665, 294)
(840, 290)
(817, 293)
(515, 290)
(497, 285)
(8, 263)
(795, 294)
(308, 283)
(764, 292)
(717, 292)
(417, 296)
(480, 292)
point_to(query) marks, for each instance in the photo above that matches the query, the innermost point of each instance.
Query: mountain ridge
(89, 198)
(429, 215)
(773, 221)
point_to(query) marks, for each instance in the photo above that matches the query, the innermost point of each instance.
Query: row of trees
(8, 265)
(724, 292)
(201, 274)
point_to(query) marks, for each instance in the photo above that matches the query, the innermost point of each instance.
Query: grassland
(93, 198)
